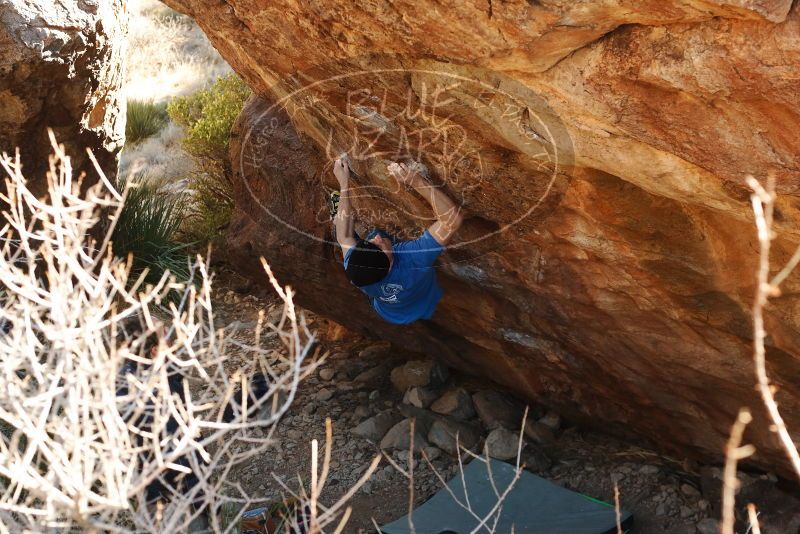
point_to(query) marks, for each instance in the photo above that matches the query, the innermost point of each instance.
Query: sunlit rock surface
(61, 68)
(599, 150)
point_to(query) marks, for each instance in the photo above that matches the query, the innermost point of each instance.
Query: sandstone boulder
(598, 150)
(61, 68)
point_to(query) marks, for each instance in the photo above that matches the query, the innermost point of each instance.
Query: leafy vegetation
(144, 119)
(208, 116)
(146, 229)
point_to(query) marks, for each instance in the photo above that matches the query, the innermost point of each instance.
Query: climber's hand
(342, 172)
(403, 174)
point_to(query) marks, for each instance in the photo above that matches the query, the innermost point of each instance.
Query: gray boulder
(399, 437)
(420, 397)
(539, 433)
(443, 434)
(376, 427)
(502, 444)
(455, 403)
(497, 410)
(372, 378)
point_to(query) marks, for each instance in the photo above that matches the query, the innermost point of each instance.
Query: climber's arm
(344, 220)
(448, 214)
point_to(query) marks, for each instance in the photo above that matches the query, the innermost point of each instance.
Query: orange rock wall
(607, 263)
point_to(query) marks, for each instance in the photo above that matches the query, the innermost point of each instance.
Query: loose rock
(377, 426)
(324, 394)
(502, 444)
(376, 349)
(420, 397)
(326, 373)
(432, 453)
(552, 420)
(455, 403)
(419, 373)
(498, 410)
(398, 437)
(443, 434)
(372, 378)
(539, 433)
(708, 526)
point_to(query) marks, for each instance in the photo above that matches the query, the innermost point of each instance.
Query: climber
(397, 276)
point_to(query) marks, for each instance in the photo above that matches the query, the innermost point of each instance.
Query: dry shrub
(109, 391)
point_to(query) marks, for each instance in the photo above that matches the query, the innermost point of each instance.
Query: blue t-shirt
(409, 292)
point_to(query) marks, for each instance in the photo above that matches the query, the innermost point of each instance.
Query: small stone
(708, 526)
(373, 395)
(419, 373)
(455, 403)
(376, 427)
(502, 444)
(398, 437)
(366, 488)
(376, 349)
(443, 434)
(690, 491)
(420, 397)
(326, 373)
(361, 412)
(648, 470)
(498, 410)
(432, 453)
(310, 408)
(702, 504)
(539, 433)
(661, 509)
(686, 512)
(324, 394)
(535, 459)
(552, 420)
(372, 378)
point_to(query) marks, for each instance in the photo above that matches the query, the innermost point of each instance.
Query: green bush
(146, 229)
(208, 116)
(144, 119)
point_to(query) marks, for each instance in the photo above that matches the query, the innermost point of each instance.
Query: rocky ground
(371, 389)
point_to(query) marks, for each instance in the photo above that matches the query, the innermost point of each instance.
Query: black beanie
(367, 264)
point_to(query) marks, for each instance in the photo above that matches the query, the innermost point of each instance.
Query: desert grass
(144, 119)
(169, 56)
(146, 230)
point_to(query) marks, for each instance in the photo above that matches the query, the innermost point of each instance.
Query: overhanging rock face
(61, 68)
(599, 150)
